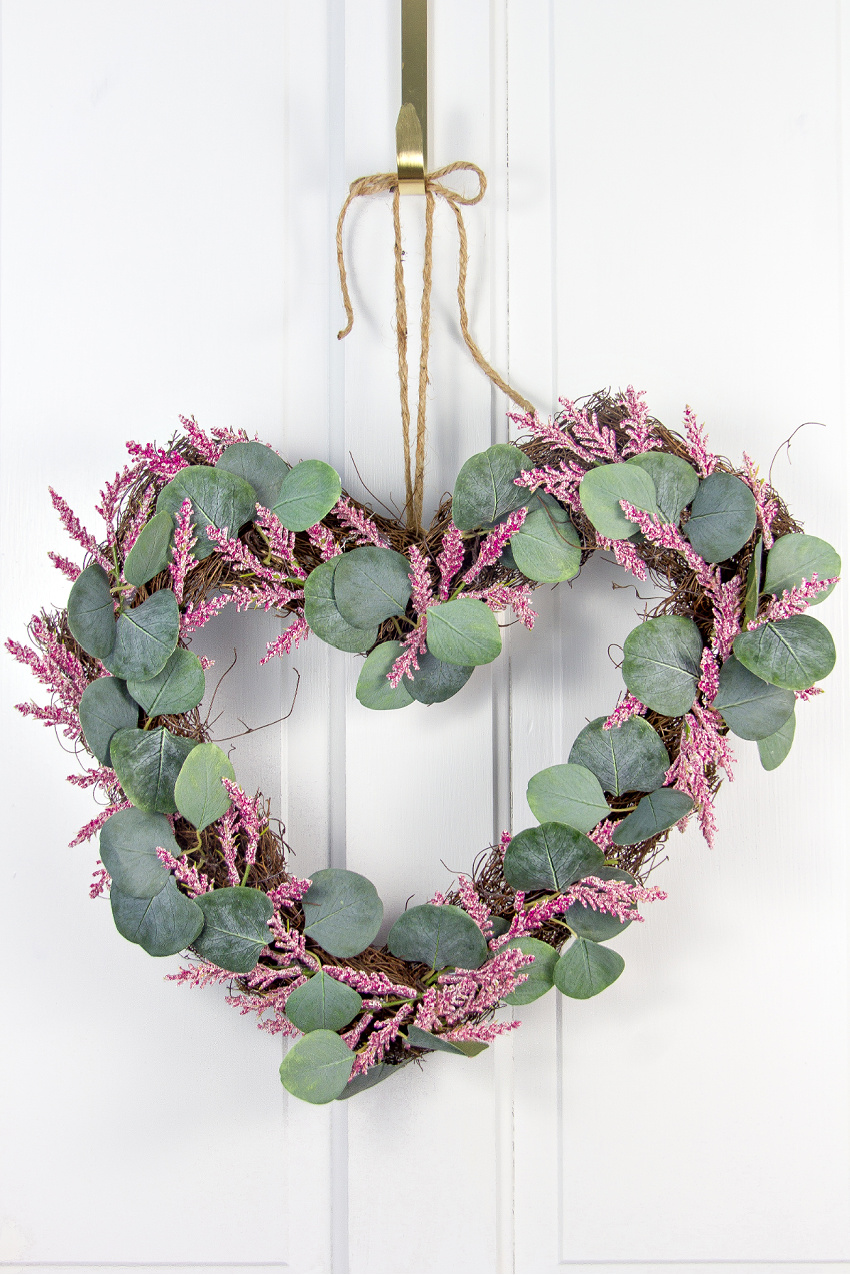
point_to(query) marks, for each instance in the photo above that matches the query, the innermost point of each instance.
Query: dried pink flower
(704, 460)
(182, 559)
(94, 825)
(701, 749)
(413, 645)
(68, 568)
(379, 1041)
(322, 538)
(492, 547)
(450, 560)
(185, 872)
(793, 601)
(422, 593)
(288, 641)
(766, 509)
(76, 531)
(359, 521)
(629, 706)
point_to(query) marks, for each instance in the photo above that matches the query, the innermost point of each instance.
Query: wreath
(193, 863)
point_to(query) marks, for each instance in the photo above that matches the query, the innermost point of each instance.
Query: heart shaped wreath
(192, 862)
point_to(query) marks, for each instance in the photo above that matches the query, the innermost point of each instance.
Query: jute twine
(378, 184)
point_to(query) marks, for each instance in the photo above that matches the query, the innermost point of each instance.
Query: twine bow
(377, 184)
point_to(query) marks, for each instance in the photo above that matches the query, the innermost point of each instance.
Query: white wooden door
(665, 209)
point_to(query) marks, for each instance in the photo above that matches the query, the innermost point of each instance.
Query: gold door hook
(411, 130)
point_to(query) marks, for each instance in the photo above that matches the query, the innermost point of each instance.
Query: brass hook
(411, 130)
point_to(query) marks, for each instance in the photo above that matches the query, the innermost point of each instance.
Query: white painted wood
(664, 208)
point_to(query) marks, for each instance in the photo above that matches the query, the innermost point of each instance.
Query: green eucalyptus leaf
(91, 612)
(793, 653)
(723, 517)
(323, 615)
(751, 597)
(485, 490)
(551, 857)
(547, 546)
(128, 844)
(661, 663)
(145, 638)
(675, 481)
(198, 792)
(587, 922)
(105, 707)
(152, 551)
(541, 975)
(499, 925)
(586, 969)
(569, 794)
(436, 681)
(219, 499)
(627, 758)
(342, 911)
(177, 687)
(236, 928)
(438, 935)
(602, 489)
(750, 707)
(308, 492)
(795, 558)
(147, 763)
(463, 632)
(373, 687)
(420, 1039)
(370, 585)
(368, 1079)
(655, 812)
(773, 749)
(259, 466)
(162, 925)
(322, 1002)
(317, 1067)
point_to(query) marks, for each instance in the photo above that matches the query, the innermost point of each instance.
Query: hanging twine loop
(381, 183)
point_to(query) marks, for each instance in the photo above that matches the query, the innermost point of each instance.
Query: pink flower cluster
(629, 706)
(379, 1041)
(793, 601)
(500, 596)
(57, 669)
(562, 483)
(414, 645)
(182, 559)
(617, 898)
(449, 560)
(462, 994)
(366, 529)
(766, 509)
(77, 531)
(252, 821)
(701, 748)
(185, 872)
(704, 460)
(495, 543)
(422, 593)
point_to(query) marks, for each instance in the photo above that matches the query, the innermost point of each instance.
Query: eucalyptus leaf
(551, 857)
(259, 466)
(147, 763)
(773, 749)
(152, 551)
(370, 585)
(200, 795)
(236, 930)
(308, 492)
(661, 663)
(105, 707)
(322, 1002)
(91, 612)
(540, 975)
(751, 597)
(750, 707)
(176, 688)
(655, 812)
(373, 688)
(145, 638)
(569, 794)
(795, 558)
(368, 1079)
(464, 632)
(342, 911)
(219, 499)
(547, 546)
(323, 615)
(317, 1067)
(723, 517)
(588, 923)
(485, 490)
(626, 758)
(438, 935)
(675, 481)
(793, 653)
(420, 1039)
(586, 969)
(436, 681)
(602, 489)
(129, 841)
(162, 925)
